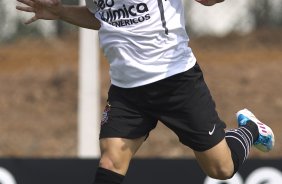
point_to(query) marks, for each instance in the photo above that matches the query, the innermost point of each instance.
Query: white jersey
(144, 40)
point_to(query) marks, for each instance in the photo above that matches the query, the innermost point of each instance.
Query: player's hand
(42, 9)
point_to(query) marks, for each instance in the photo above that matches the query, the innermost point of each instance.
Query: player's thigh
(216, 160)
(123, 117)
(189, 110)
(116, 153)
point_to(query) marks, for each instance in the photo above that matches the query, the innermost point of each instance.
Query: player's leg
(124, 128)
(116, 154)
(185, 106)
(224, 160)
(193, 117)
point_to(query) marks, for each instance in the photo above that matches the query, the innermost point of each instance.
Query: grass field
(38, 92)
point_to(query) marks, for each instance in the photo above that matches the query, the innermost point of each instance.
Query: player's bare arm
(55, 10)
(209, 2)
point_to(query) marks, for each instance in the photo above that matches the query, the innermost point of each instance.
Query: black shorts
(182, 102)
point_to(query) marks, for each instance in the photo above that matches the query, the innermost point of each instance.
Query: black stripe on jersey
(161, 8)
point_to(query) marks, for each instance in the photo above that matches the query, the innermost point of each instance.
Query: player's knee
(221, 173)
(115, 163)
(109, 162)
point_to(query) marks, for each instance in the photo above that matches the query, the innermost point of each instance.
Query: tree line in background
(267, 13)
(264, 13)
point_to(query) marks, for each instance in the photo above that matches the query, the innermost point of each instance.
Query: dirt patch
(38, 92)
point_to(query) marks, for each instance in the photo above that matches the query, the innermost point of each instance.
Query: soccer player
(155, 77)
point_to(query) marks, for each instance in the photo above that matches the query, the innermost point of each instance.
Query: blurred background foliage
(231, 17)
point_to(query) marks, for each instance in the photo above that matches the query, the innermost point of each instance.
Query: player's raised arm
(54, 10)
(209, 2)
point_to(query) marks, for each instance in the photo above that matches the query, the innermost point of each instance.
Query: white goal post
(89, 94)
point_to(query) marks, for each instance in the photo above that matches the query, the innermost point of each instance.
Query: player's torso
(144, 40)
